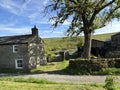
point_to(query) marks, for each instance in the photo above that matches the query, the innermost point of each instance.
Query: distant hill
(103, 37)
(70, 43)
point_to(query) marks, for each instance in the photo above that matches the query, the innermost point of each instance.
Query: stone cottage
(23, 52)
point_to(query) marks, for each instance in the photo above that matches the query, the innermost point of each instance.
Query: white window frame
(15, 47)
(16, 64)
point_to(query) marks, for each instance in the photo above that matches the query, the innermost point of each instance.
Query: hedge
(94, 64)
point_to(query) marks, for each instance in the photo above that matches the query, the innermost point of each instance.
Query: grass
(103, 37)
(51, 67)
(70, 43)
(27, 80)
(62, 68)
(10, 83)
(110, 71)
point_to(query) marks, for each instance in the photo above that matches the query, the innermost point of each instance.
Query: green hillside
(103, 37)
(70, 42)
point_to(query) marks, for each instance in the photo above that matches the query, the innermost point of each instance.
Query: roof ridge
(16, 39)
(16, 36)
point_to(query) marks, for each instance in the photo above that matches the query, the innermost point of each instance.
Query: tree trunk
(87, 45)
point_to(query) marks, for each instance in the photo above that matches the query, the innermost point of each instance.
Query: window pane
(20, 65)
(15, 48)
(19, 61)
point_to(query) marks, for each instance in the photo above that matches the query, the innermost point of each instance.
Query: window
(19, 63)
(15, 48)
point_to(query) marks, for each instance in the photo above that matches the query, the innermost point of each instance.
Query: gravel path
(69, 78)
(80, 79)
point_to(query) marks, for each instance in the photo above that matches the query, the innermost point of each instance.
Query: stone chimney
(34, 31)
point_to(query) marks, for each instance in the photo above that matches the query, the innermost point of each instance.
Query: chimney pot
(34, 30)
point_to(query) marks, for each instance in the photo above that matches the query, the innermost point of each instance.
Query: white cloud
(32, 9)
(67, 22)
(11, 6)
(50, 31)
(9, 28)
(45, 2)
(111, 27)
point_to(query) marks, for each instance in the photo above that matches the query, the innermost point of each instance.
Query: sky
(18, 17)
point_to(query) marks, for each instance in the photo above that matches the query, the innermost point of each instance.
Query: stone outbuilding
(23, 52)
(115, 41)
(97, 47)
(110, 48)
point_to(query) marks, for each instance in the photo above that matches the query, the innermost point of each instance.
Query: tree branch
(97, 11)
(73, 1)
(109, 15)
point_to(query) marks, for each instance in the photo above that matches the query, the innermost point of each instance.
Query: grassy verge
(109, 71)
(10, 83)
(27, 80)
(62, 68)
(52, 67)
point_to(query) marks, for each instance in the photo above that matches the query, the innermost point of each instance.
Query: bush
(95, 66)
(90, 65)
(113, 54)
(110, 83)
(111, 63)
(94, 63)
(117, 63)
(49, 56)
(109, 71)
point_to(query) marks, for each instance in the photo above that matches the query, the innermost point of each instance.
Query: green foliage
(8, 85)
(110, 71)
(93, 67)
(62, 68)
(90, 14)
(50, 54)
(104, 71)
(27, 80)
(85, 16)
(110, 83)
(80, 44)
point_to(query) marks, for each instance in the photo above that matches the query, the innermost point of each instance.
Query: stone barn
(97, 47)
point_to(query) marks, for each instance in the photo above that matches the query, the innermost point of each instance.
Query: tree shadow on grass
(61, 72)
(66, 71)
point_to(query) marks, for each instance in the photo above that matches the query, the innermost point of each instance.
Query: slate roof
(116, 34)
(16, 39)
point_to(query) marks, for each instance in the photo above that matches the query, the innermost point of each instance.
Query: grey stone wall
(7, 57)
(97, 43)
(115, 40)
(40, 53)
(32, 55)
(36, 54)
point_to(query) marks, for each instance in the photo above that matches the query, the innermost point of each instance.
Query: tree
(85, 16)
